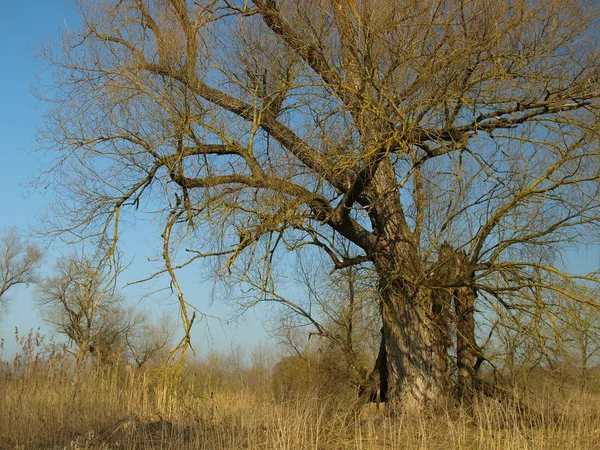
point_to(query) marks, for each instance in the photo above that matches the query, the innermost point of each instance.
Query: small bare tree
(561, 332)
(81, 301)
(18, 262)
(149, 342)
(336, 313)
(578, 329)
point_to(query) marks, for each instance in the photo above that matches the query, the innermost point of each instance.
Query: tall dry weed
(216, 405)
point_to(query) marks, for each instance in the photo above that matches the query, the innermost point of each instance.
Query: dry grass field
(212, 406)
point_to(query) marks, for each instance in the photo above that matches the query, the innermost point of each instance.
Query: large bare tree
(449, 142)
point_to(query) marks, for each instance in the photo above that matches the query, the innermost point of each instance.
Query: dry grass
(120, 408)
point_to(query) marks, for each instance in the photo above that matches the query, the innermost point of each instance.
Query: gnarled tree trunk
(420, 305)
(417, 369)
(413, 359)
(466, 348)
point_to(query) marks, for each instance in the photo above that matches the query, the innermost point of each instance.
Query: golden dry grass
(121, 408)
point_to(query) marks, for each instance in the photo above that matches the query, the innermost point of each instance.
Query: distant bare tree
(81, 301)
(336, 313)
(577, 329)
(18, 262)
(149, 341)
(561, 332)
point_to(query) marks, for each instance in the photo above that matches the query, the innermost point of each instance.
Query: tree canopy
(450, 144)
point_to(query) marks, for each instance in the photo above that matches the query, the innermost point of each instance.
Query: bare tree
(335, 313)
(80, 300)
(577, 329)
(445, 142)
(18, 262)
(149, 342)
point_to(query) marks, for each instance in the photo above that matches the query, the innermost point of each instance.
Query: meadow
(219, 402)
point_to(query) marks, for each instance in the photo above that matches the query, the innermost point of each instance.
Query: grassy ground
(41, 407)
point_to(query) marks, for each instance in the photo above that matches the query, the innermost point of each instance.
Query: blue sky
(24, 26)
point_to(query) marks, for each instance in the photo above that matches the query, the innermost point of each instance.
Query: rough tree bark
(413, 358)
(416, 364)
(413, 335)
(466, 346)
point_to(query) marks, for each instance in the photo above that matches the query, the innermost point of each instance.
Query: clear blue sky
(24, 26)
